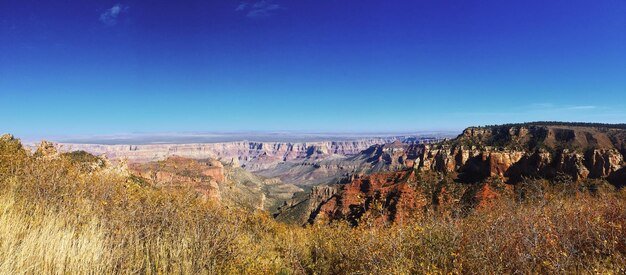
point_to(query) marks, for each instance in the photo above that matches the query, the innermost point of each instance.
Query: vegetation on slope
(58, 218)
(561, 123)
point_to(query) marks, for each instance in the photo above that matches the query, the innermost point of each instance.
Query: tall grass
(36, 241)
(56, 217)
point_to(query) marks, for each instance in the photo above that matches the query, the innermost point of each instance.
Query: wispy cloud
(110, 16)
(263, 8)
(242, 6)
(584, 107)
(541, 105)
(544, 111)
(555, 107)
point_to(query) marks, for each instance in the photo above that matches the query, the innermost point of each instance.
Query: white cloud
(585, 107)
(110, 16)
(263, 8)
(242, 6)
(555, 107)
(541, 105)
(543, 111)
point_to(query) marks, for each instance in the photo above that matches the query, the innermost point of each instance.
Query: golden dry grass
(39, 242)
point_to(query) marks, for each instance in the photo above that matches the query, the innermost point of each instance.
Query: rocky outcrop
(46, 149)
(385, 198)
(603, 162)
(300, 208)
(378, 198)
(177, 172)
(224, 184)
(618, 178)
(321, 194)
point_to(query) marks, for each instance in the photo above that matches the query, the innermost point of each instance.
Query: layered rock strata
(253, 155)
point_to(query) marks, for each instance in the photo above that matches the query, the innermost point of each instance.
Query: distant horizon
(265, 136)
(233, 136)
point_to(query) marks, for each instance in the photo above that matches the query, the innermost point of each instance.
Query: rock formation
(178, 172)
(46, 149)
(227, 185)
(380, 198)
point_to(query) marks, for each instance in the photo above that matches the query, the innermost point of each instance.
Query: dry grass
(56, 218)
(39, 242)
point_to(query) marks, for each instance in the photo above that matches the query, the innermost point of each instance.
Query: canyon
(252, 175)
(379, 180)
(249, 154)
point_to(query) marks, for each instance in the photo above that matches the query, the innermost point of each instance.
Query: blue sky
(103, 67)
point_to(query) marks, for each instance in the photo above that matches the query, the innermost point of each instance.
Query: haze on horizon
(107, 67)
(219, 137)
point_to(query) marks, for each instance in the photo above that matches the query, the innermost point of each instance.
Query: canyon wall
(253, 155)
(539, 151)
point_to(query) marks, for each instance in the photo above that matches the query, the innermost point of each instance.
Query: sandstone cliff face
(536, 151)
(253, 155)
(487, 162)
(534, 136)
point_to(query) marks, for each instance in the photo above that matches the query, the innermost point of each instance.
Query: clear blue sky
(100, 67)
